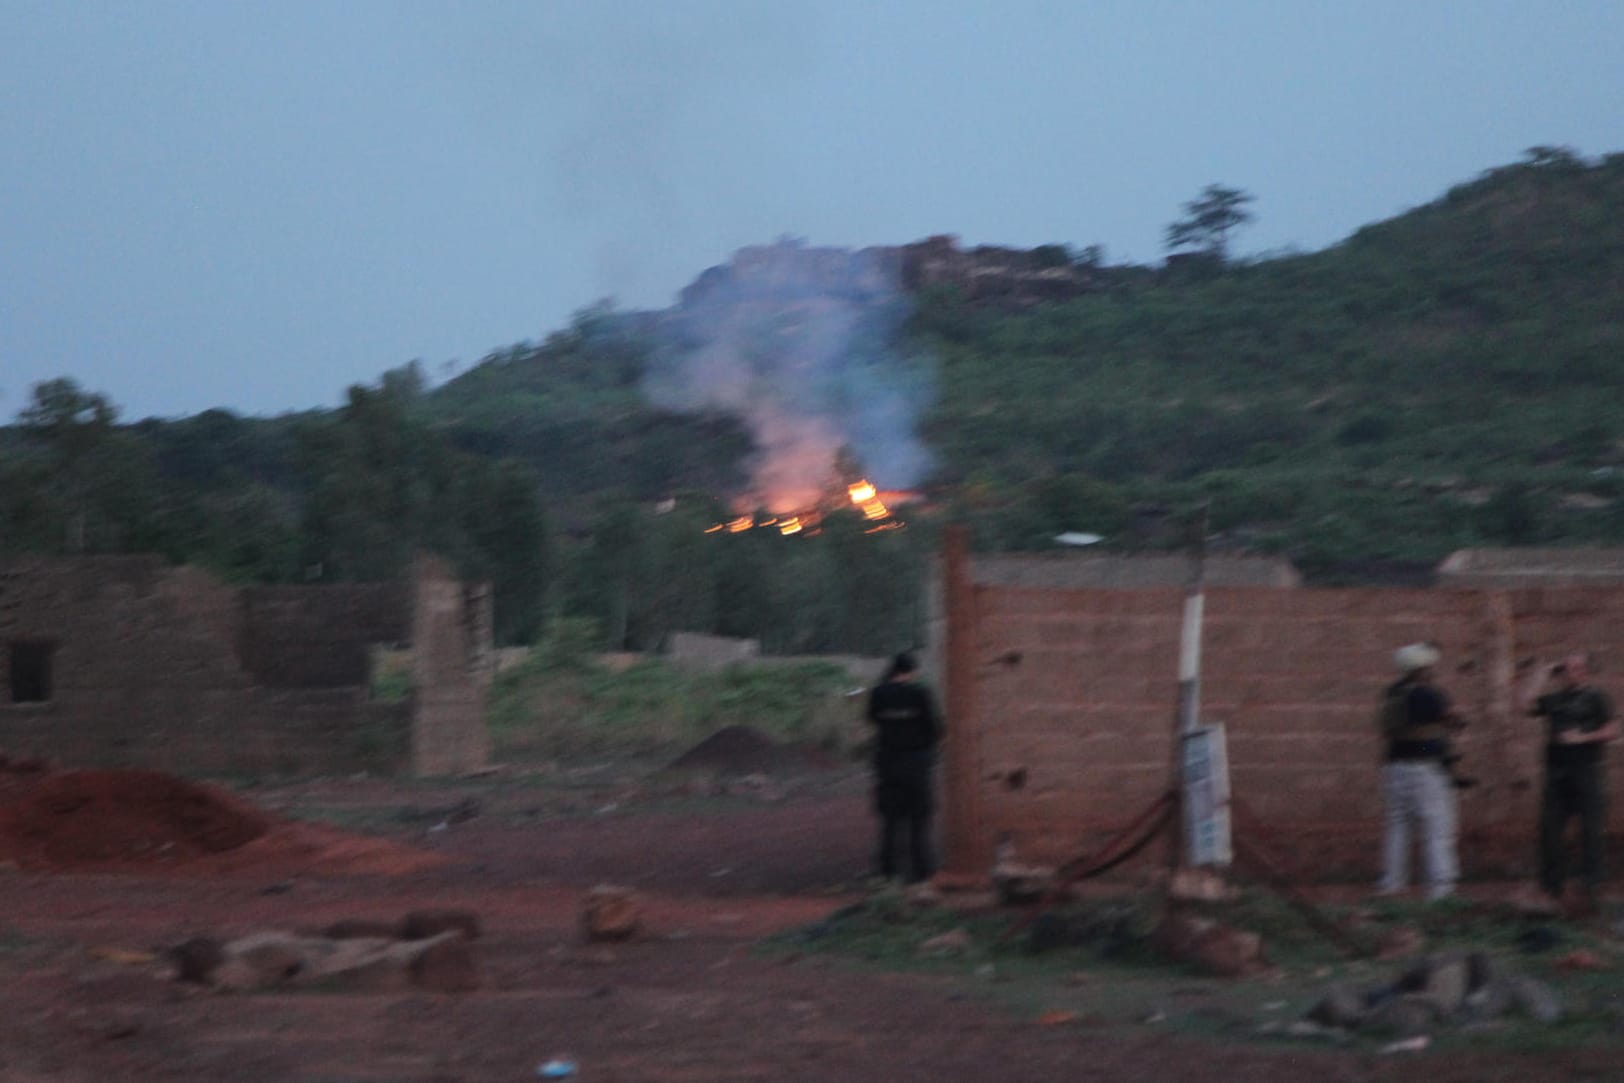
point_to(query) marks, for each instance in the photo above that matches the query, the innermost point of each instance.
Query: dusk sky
(252, 205)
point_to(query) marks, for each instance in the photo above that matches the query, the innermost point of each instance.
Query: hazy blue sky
(252, 205)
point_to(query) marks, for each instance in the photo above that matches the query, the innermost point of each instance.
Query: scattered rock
(922, 894)
(740, 751)
(611, 913)
(424, 924)
(1408, 1045)
(1582, 959)
(1536, 903)
(1304, 1029)
(122, 956)
(1400, 941)
(1489, 1001)
(1018, 885)
(1199, 885)
(956, 942)
(361, 965)
(446, 965)
(1110, 932)
(1212, 947)
(259, 960)
(1178, 933)
(443, 963)
(363, 928)
(1340, 1007)
(755, 785)
(197, 959)
(1537, 999)
(1230, 953)
(1406, 1016)
(1049, 932)
(1541, 938)
(1441, 980)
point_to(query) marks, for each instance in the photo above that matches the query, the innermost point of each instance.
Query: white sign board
(1206, 796)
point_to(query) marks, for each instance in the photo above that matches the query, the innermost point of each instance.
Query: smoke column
(801, 343)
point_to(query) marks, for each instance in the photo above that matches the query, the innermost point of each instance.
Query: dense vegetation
(1446, 378)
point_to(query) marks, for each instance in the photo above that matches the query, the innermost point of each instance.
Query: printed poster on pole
(1206, 796)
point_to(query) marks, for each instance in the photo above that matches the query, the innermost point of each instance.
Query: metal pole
(1195, 603)
(1187, 717)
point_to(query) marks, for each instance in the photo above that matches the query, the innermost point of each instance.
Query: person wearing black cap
(908, 728)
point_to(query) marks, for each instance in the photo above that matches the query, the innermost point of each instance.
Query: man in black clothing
(904, 715)
(1579, 723)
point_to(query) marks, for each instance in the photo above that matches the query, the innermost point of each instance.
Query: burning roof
(873, 504)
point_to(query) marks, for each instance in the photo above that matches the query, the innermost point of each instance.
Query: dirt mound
(150, 822)
(740, 750)
(76, 818)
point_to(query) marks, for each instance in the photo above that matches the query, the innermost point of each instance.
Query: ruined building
(1061, 693)
(126, 661)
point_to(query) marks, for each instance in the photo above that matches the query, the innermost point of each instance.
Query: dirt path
(692, 1001)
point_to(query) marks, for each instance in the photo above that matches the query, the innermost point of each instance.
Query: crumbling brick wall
(1062, 706)
(165, 667)
(453, 662)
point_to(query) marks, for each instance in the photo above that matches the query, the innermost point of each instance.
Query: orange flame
(861, 493)
(792, 525)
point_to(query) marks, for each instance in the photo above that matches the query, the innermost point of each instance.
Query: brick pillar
(451, 669)
(968, 850)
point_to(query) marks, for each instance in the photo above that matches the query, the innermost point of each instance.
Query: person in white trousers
(1416, 719)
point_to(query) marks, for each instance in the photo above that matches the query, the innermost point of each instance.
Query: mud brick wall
(168, 668)
(321, 637)
(1062, 706)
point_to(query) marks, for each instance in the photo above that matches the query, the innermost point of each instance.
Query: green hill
(1448, 377)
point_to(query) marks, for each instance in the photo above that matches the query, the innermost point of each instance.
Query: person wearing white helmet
(1416, 719)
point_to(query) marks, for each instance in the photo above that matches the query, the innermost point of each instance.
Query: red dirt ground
(690, 1001)
(149, 822)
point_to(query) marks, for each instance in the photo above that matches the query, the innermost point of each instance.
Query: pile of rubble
(429, 949)
(1449, 989)
(55, 820)
(146, 823)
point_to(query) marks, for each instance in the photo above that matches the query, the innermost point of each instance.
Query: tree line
(1446, 378)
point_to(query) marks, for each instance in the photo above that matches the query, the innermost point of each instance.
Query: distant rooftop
(1531, 567)
(1126, 572)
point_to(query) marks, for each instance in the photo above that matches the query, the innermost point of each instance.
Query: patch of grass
(391, 676)
(573, 708)
(1110, 974)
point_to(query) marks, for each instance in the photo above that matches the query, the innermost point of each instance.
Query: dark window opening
(31, 672)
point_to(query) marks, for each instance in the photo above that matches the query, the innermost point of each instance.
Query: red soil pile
(144, 822)
(74, 819)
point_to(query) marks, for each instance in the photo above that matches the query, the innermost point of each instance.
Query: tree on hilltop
(1209, 220)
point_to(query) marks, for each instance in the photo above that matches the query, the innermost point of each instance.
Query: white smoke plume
(801, 344)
